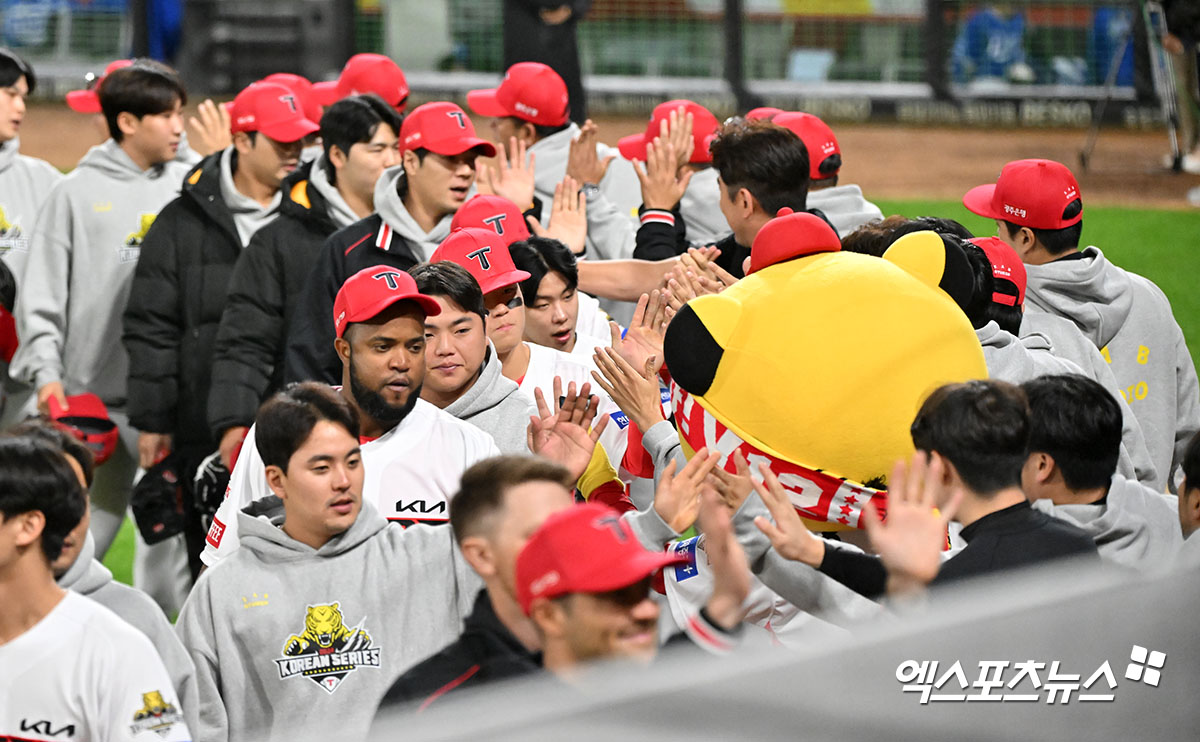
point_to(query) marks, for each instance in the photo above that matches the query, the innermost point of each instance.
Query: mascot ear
(335, 607)
(939, 261)
(697, 338)
(920, 254)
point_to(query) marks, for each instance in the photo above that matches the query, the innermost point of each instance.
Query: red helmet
(86, 418)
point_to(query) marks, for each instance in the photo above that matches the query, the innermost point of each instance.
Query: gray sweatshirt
(339, 211)
(24, 184)
(701, 209)
(1068, 343)
(1129, 319)
(496, 406)
(92, 579)
(1136, 527)
(80, 268)
(845, 207)
(391, 208)
(292, 642)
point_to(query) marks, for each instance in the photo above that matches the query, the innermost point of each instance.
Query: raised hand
(644, 336)
(513, 174)
(635, 392)
(910, 542)
(583, 162)
(208, 130)
(568, 217)
(662, 185)
(564, 433)
(677, 130)
(733, 488)
(726, 559)
(788, 534)
(677, 497)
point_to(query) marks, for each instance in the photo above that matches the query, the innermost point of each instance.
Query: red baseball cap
(495, 213)
(272, 109)
(366, 73)
(485, 256)
(790, 235)
(86, 418)
(372, 290)
(1006, 267)
(303, 90)
(443, 128)
(818, 139)
(763, 113)
(1031, 193)
(87, 100)
(584, 549)
(704, 127)
(531, 91)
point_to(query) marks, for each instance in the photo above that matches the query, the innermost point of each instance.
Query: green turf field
(1156, 244)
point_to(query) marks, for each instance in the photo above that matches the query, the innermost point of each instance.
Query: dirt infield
(889, 162)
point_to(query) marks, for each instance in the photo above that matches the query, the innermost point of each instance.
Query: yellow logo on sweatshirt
(132, 248)
(327, 650)
(11, 236)
(156, 715)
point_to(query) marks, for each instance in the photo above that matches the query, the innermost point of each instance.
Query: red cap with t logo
(1030, 193)
(704, 126)
(372, 290)
(443, 128)
(492, 212)
(303, 90)
(585, 549)
(485, 256)
(87, 100)
(531, 91)
(273, 110)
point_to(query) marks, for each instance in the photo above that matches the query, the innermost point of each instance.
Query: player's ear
(549, 616)
(337, 157)
(527, 132)
(342, 346)
(275, 480)
(479, 555)
(127, 123)
(410, 161)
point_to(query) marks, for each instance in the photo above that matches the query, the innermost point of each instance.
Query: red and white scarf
(817, 495)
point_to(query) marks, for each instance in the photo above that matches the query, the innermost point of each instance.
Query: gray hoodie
(292, 642)
(496, 406)
(701, 209)
(338, 210)
(391, 208)
(1068, 343)
(24, 184)
(1136, 527)
(92, 579)
(1188, 556)
(845, 206)
(1129, 319)
(80, 268)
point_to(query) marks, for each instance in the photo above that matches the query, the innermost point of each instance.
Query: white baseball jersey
(410, 474)
(592, 320)
(83, 675)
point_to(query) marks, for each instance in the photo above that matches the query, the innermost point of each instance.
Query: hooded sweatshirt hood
(113, 162)
(390, 206)
(338, 210)
(260, 528)
(1090, 291)
(1019, 359)
(844, 207)
(249, 215)
(1135, 526)
(496, 406)
(8, 153)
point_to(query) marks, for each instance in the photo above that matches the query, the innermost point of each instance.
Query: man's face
(622, 624)
(386, 358)
(12, 108)
(455, 346)
(551, 316)
(734, 216)
(366, 161)
(506, 127)
(266, 160)
(526, 507)
(156, 135)
(322, 488)
(73, 543)
(506, 318)
(1189, 508)
(439, 184)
